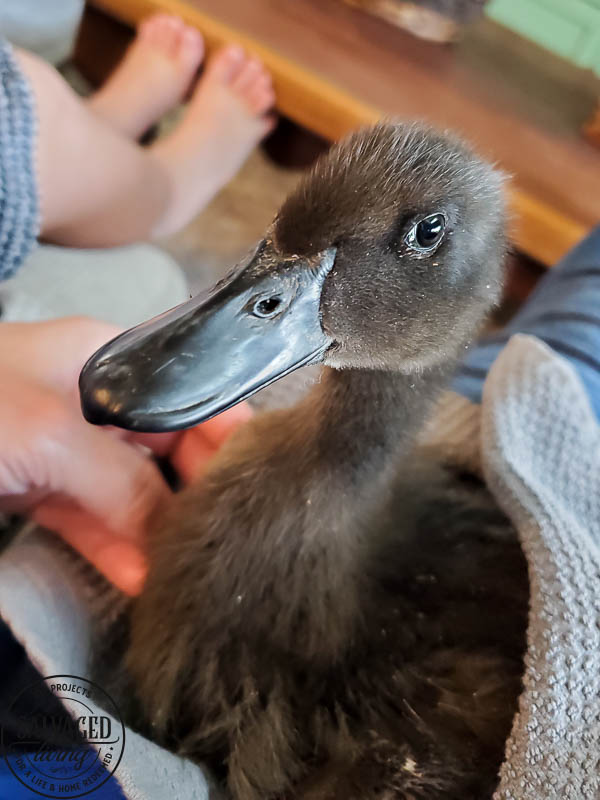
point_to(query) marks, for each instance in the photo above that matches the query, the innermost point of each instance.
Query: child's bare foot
(153, 77)
(226, 118)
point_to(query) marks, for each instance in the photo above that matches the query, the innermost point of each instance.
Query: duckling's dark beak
(209, 353)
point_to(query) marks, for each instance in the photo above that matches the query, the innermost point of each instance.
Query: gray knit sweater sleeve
(19, 210)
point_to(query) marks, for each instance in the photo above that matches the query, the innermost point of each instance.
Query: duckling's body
(322, 613)
(369, 647)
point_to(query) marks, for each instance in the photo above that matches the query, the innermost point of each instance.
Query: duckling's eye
(267, 307)
(426, 235)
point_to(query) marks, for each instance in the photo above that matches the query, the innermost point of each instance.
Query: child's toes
(151, 28)
(147, 29)
(268, 122)
(265, 85)
(173, 29)
(260, 99)
(163, 31)
(226, 65)
(248, 76)
(190, 46)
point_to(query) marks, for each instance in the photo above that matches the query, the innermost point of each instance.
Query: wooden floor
(336, 68)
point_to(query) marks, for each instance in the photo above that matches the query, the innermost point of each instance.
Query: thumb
(119, 560)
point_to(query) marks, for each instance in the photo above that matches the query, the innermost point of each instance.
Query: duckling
(331, 611)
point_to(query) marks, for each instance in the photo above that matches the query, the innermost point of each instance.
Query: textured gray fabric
(541, 459)
(538, 444)
(19, 212)
(536, 441)
(47, 600)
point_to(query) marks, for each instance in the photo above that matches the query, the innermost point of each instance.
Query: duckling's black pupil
(266, 307)
(430, 230)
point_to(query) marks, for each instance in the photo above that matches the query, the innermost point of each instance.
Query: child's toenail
(235, 52)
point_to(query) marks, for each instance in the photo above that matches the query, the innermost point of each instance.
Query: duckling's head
(387, 255)
(418, 226)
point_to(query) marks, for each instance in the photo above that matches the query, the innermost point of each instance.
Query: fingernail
(192, 35)
(133, 577)
(125, 565)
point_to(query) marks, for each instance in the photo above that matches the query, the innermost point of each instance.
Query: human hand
(96, 487)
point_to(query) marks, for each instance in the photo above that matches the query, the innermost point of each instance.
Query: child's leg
(225, 118)
(564, 311)
(97, 188)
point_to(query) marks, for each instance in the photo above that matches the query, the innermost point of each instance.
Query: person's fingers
(55, 351)
(216, 430)
(109, 477)
(119, 560)
(198, 445)
(208, 436)
(21, 502)
(191, 455)
(161, 444)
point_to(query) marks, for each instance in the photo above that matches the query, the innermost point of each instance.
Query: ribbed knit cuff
(19, 207)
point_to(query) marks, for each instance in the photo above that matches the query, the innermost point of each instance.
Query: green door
(569, 28)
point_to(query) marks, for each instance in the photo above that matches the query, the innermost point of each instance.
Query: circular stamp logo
(63, 754)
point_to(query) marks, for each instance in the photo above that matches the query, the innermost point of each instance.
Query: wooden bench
(336, 68)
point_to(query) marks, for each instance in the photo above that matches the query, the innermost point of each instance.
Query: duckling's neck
(344, 445)
(369, 418)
